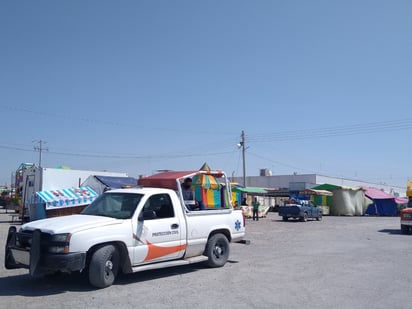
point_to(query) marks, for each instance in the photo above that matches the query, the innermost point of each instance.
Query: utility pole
(40, 149)
(242, 144)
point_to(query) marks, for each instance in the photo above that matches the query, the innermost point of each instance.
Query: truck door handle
(175, 226)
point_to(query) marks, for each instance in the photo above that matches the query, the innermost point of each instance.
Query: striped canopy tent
(70, 197)
(209, 190)
(206, 181)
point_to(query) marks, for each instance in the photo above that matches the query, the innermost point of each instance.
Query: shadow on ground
(25, 285)
(391, 231)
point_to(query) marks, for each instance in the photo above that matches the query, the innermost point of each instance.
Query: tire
(304, 218)
(9, 262)
(217, 250)
(319, 218)
(284, 218)
(104, 266)
(404, 229)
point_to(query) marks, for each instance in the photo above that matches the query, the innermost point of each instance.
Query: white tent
(349, 202)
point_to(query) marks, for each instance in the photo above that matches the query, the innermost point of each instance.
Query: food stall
(55, 203)
(252, 191)
(319, 197)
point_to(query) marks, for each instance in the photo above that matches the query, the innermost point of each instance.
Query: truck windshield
(114, 205)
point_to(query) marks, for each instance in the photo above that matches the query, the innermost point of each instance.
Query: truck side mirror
(147, 215)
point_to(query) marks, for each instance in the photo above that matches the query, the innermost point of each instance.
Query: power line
(317, 172)
(41, 149)
(280, 163)
(105, 123)
(357, 129)
(16, 148)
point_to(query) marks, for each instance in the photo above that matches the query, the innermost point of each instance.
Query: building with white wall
(297, 182)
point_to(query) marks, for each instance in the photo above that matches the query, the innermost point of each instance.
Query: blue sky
(136, 86)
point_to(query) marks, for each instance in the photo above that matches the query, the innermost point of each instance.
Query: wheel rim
(218, 251)
(108, 267)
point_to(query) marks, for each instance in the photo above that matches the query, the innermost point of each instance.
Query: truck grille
(24, 240)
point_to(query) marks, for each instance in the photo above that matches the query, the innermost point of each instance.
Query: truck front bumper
(36, 259)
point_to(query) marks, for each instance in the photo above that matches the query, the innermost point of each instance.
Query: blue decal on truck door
(237, 225)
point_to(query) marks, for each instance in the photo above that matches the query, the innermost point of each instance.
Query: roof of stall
(249, 190)
(330, 187)
(377, 194)
(316, 192)
(68, 197)
(115, 182)
(168, 179)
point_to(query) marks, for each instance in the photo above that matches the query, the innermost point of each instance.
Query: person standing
(255, 209)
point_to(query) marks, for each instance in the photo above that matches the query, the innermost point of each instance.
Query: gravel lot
(340, 262)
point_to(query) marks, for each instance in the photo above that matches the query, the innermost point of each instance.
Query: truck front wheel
(104, 266)
(217, 250)
(304, 218)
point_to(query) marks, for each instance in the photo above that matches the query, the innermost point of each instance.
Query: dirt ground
(339, 262)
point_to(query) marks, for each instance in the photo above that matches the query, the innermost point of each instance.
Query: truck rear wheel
(284, 218)
(404, 229)
(319, 218)
(217, 250)
(104, 266)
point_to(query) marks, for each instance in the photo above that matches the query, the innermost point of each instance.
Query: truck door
(312, 211)
(158, 232)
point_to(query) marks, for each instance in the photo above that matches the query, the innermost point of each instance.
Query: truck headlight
(59, 243)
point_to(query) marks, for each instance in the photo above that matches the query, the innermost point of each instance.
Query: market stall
(54, 203)
(319, 197)
(251, 191)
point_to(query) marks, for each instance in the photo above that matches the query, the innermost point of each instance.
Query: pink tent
(384, 204)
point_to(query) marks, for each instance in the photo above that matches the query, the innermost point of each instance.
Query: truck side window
(165, 207)
(161, 205)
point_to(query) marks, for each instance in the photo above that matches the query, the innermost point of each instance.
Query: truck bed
(289, 211)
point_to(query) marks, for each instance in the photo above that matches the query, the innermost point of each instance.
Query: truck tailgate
(289, 211)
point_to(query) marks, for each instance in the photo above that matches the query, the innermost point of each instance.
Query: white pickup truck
(127, 230)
